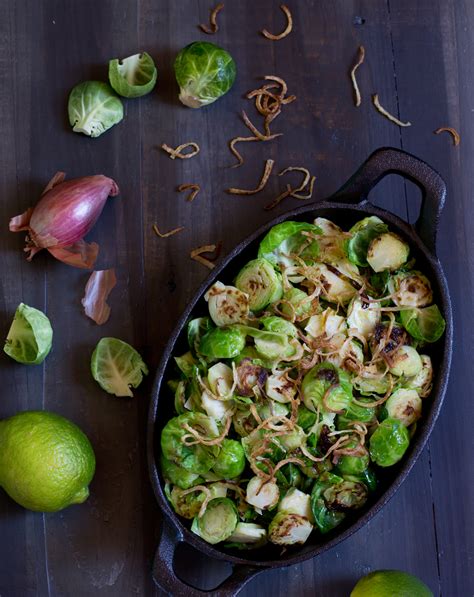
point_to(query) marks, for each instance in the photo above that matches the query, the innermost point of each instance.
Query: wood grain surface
(419, 59)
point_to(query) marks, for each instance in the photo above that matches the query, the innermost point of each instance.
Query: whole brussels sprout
(196, 458)
(218, 522)
(404, 405)
(406, 361)
(260, 282)
(319, 380)
(387, 252)
(204, 72)
(389, 442)
(222, 343)
(230, 462)
(227, 304)
(410, 289)
(176, 475)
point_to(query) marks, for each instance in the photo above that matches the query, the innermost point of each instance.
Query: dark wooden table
(420, 61)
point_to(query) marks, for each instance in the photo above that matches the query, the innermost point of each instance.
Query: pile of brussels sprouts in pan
(307, 377)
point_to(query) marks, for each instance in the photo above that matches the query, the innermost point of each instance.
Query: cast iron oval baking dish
(345, 207)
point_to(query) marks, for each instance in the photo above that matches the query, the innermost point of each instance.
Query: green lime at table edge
(390, 583)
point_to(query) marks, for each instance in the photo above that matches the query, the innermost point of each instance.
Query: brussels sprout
(326, 324)
(317, 382)
(272, 323)
(197, 328)
(30, 336)
(254, 439)
(404, 405)
(260, 282)
(346, 495)
(93, 108)
(356, 464)
(204, 72)
(177, 475)
(306, 418)
(227, 304)
(221, 380)
(363, 317)
(196, 458)
(387, 252)
(218, 522)
(331, 242)
(336, 285)
(422, 382)
(222, 343)
(289, 529)
(406, 361)
(133, 76)
(369, 479)
(294, 439)
(363, 232)
(389, 442)
(325, 519)
(230, 462)
(180, 397)
(370, 382)
(410, 289)
(187, 505)
(289, 475)
(350, 356)
(186, 364)
(268, 344)
(296, 303)
(426, 324)
(262, 495)
(117, 367)
(215, 408)
(286, 239)
(278, 387)
(355, 412)
(248, 532)
(296, 502)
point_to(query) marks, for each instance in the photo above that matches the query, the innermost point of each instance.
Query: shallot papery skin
(65, 213)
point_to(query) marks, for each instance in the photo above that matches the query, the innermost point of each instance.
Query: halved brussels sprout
(387, 252)
(404, 405)
(363, 317)
(296, 502)
(261, 494)
(289, 529)
(204, 72)
(272, 323)
(268, 344)
(363, 232)
(317, 383)
(218, 522)
(176, 475)
(406, 361)
(227, 304)
(326, 324)
(286, 239)
(248, 532)
(187, 505)
(355, 464)
(133, 76)
(222, 343)
(260, 282)
(337, 287)
(326, 519)
(230, 462)
(355, 412)
(389, 442)
(296, 303)
(350, 356)
(93, 108)
(30, 336)
(426, 324)
(277, 387)
(196, 458)
(410, 289)
(221, 379)
(422, 382)
(216, 409)
(294, 439)
(197, 328)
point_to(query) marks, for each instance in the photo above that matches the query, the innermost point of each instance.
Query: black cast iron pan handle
(165, 576)
(388, 160)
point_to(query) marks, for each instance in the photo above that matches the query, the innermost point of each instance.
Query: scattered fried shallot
(296, 193)
(360, 60)
(194, 188)
(214, 28)
(261, 185)
(178, 152)
(383, 111)
(236, 140)
(98, 287)
(196, 254)
(166, 234)
(287, 29)
(449, 129)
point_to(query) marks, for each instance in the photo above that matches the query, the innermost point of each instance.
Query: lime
(116, 366)
(46, 462)
(390, 583)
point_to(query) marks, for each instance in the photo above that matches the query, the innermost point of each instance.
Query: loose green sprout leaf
(426, 324)
(363, 234)
(116, 366)
(204, 72)
(93, 108)
(389, 442)
(218, 522)
(279, 325)
(197, 328)
(177, 475)
(30, 337)
(133, 76)
(286, 239)
(260, 282)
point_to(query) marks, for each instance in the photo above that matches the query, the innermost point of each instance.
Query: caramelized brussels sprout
(260, 282)
(387, 252)
(227, 304)
(389, 442)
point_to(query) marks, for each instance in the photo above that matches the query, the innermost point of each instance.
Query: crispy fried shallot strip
(360, 60)
(449, 129)
(260, 136)
(194, 188)
(261, 185)
(166, 234)
(286, 31)
(214, 28)
(207, 499)
(178, 152)
(196, 254)
(197, 438)
(296, 193)
(383, 111)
